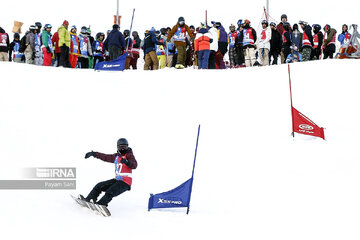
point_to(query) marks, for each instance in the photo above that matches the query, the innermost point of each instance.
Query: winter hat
(181, 19)
(66, 23)
(295, 26)
(284, 16)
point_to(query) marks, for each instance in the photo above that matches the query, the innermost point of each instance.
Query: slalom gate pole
(132, 19)
(292, 111)
(206, 18)
(192, 175)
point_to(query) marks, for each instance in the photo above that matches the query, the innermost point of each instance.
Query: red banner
(303, 125)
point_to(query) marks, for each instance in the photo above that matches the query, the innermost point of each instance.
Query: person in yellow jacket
(64, 44)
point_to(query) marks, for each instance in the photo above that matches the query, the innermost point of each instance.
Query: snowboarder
(307, 41)
(160, 49)
(29, 45)
(14, 54)
(248, 37)
(55, 43)
(264, 43)
(296, 36)
(39, 58)
(294, 56)
(85, 48)
(125, 162)
(98, 48)
(275, 44)
(318, 41)
(128, 47)
(232, 49)
(222, 44)
(4, 45)
(151, 60)
(135, 50)
(344, 37)
(179, 32)
(47, 48)
(74, 47)
(329, 42)
(239, 44)
(286, 36)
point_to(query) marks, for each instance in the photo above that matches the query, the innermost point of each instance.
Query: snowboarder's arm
(171, 33)
(106, 157)
(132, 161)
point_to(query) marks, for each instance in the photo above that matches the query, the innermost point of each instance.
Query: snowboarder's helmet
(98, 35)
(283, 16)
(163, 31)
(115, 26)
(239, 22)
(73, 27)
(83, 29)
(126, 32)
(32, 28)
(317, 27)
(122, 141)
(38, 24)
(157, 34)
(265, 22)
(273, 24)
(247, 21)
(47, 26)
(134, 33)
(327, 27)
(181, 19)
(16, 35)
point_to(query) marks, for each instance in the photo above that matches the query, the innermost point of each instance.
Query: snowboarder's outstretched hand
(90, 154)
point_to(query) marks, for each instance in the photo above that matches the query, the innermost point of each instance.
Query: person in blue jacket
(115, 43)
(344, 37)
(149, 48)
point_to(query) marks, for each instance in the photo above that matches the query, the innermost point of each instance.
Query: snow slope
(252, 179)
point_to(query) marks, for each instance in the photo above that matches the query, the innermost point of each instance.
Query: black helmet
(163, 31)
(316, 27)
(99, 34)
(83, 29)
(16, 35)
(181, 19)
(283, 16)
(38, 24)
(122, 145)
(122, 141)
(273, 24)
(32, 28)
(265, 22)
(327, 27)
(126, 32)
(135, 33)
(157, 34)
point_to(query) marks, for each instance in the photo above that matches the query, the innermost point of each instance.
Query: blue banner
(114, 65)
(177, 197)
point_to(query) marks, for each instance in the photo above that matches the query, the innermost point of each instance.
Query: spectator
(115, 43)
(64, 43)
(4, 45)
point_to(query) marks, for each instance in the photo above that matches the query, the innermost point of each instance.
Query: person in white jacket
(264, 43)
(213, 47)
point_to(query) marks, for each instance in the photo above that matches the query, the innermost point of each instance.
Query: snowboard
(99, 209)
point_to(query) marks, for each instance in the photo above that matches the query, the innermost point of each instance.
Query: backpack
(23, 44)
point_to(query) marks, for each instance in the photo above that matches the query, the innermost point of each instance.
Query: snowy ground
(252, 179)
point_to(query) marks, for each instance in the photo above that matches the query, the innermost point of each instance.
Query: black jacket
(276, 41)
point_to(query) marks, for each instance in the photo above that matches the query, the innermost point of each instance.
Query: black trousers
(84, 62)
(212, 64)
(64, 57)
(112, 188)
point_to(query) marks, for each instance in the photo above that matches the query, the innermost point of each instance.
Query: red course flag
(303, 125)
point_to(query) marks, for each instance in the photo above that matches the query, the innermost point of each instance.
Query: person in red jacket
(55, 43)
(202, 47)
(125, 162)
